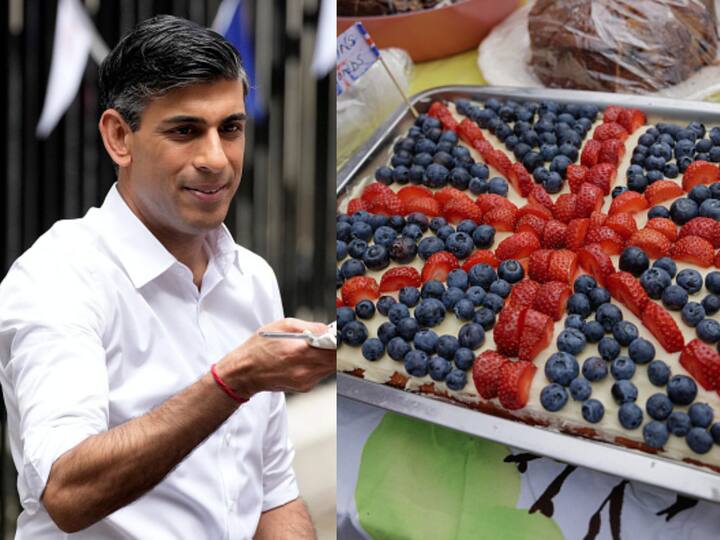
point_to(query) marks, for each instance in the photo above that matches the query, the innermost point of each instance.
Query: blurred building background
(284, 209)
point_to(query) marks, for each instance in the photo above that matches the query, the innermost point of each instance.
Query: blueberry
(548, 151)
(593, 411)
(365, 309)
(480, 171)
(679, 423)
(482, 274)
(699, 193)
(354, 333)
(407, 328)
(574, 321)
(658, 372)
(430, 312)
(659, 406)
(681, 389)
(443, 158)
(559, 164)
(458, 278)
(459, 178)
(701, 415)
(630, 415)
(712, 282)
(658, 211)
(356, 248)
(571, 341)
(511, 271)
(425, 340)
(444, 232)
(580, 389)
(561, 368)
(608, 315)
(423, 159)
(425, 146)
(498, 186)
(655, 280)
(532, 159)
(386, 331)
(624, 332)
(699, 440)
(579, 303)
(351, 268)
(343, 316)
(429, 246)
(438, 368)
(593, 331)
(376, 257)
(410, 231)
(634, 260)
(464, 358)
(624, 391)
(500, 287)
(432, 288)
(466, 226)
(540, 175)
(553, 397)
(708, 330)
(464, 309)
(436, 175)
(401, 174)
(484, 236)
(715, 432)
(655, 434)
(485, 317)
(584, 284)
(475, 294)
(520, 150)
(622, 368)
(715, 190)
(493, 301)
(409, 296)
(553, 183)
(456, 379)
(594, 369)
(711, 304)
(416, 363)
(373, 349)
(683, 210)
(674, 297)
(692, 313)
(384, 174)
(641, 351)
(459, 244)
(711, 209)
(436, 223)
(639, 182)
(599, 296)
(690, 280)
(471, 335)
(608, 348)
(397, 313)
(397, 348)
(478, 186)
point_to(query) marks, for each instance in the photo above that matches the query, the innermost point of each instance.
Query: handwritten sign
(356, 53)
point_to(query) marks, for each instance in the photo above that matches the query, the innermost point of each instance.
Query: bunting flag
(323, 56)
(230, 21)
(356, 53)
(75, 39)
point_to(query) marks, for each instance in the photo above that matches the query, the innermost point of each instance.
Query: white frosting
(569, 416)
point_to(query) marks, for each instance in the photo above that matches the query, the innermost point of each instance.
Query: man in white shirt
(141, 401)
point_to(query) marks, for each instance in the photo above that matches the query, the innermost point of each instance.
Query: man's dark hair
(159, 55)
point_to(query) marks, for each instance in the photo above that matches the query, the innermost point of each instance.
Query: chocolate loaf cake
(364, 8)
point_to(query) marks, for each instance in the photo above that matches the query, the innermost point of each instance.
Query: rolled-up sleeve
(279, 484)
(53, 371)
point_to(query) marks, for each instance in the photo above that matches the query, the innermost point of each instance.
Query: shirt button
(227, 439)
(231, 505)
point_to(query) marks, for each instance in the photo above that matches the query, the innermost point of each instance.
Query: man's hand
(275, 364)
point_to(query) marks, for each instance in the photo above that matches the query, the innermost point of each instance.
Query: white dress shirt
(99, 324)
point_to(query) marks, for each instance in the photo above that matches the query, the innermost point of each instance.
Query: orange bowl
(435, 33)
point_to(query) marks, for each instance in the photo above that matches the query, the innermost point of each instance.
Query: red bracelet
(222, 384)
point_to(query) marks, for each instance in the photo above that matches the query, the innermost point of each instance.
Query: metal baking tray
(609, 458)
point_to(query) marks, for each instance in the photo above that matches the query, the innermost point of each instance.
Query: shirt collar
(141, 253)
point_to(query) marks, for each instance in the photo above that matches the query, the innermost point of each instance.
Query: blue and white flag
(356, 53)
(230, 21)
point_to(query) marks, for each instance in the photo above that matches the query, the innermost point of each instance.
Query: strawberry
(627, 290)
(702, 362)
(374, 189)
(575, 176)
(480, 256)
(469, 131)
(704, 227)
(338, 302)
(356, 205)
(387, 203)
(661, 191)
(589, 199)
(554, 235)
(499, 161)
(630, 202)
(597, 219)
(439, 265)
(565, 207)
(536, 334)
(486, 373)
(576, 231)
(531, 223)
(612, 113)
(562, 266)
(694, 250)
(661, 325)
(540, 196)
(506, 331)
(440, 111)
(631, 119)
(491, 201)
(610, 241)
(610, 130)
(443, 195)
(409, 193)
(515, 382)
(456, 210)
(538, 265)
(503, 219)
(654, 243)
(595, 262)
(535, 209)
(520, 179)
(551, 298)
(590, 153)
(424, 205)
(622, 223)
(523, 293)
(518, 246)
(396, 278)
(602, 175)
(483, 147)
(612, 151)
(663, 225)
(359, 288)
(700, 172)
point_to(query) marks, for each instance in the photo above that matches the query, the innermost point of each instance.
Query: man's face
(187, 158)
